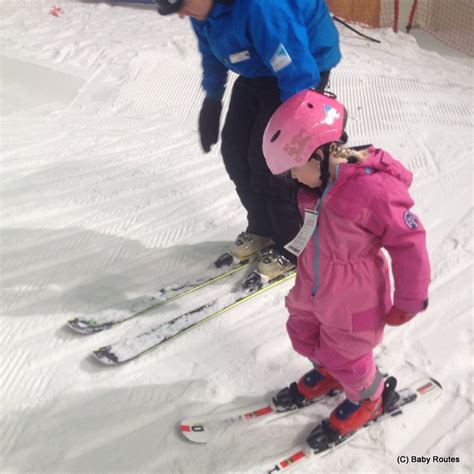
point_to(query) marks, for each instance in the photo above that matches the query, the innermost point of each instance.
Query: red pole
(412, 16)
(395, 16)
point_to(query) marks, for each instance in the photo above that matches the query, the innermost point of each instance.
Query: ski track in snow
(106, 196)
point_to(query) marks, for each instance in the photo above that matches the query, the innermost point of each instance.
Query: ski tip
(82, 326)
(105, 356)
(194, 431)
(79, 326)
(436, 383)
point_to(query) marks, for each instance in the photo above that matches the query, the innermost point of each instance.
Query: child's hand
(397, 317)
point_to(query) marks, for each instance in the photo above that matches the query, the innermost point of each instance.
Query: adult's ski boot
(273, 265)
(245, 246)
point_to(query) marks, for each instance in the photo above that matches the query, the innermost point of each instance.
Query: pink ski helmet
(301, 125)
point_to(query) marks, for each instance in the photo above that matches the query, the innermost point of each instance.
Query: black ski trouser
(269, 200)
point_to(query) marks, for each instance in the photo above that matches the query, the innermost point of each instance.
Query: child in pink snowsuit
(342, 300)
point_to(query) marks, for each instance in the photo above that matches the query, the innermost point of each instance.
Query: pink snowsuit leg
(347, 357)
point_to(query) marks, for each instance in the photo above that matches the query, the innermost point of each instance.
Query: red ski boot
(349, 416)
(313, 385)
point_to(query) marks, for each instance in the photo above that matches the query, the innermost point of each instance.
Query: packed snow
(107, 197)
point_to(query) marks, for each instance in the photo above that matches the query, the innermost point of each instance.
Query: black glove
(209, 118)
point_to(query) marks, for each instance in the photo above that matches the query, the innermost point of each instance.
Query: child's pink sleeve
(404, 237)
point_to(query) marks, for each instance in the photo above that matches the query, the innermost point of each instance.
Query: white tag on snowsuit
(297, 245)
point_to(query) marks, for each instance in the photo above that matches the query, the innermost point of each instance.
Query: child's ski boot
(349, 417)
(314, 385)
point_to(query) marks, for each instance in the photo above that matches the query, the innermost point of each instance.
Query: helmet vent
(275, 136)
(310, 105)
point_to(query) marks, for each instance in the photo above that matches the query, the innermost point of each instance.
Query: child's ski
(135, 346)
(130, 309)
(299, 455)
(198, 429)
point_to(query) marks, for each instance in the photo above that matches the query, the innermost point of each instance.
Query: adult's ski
(317, 445)
(135, 346)
(126, 310)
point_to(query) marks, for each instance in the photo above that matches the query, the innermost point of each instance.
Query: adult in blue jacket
(278, 48)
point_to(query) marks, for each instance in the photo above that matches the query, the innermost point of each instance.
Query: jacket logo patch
(280, 59)
(410, 220)
(296, 146)
(239, 57)
(330, 115)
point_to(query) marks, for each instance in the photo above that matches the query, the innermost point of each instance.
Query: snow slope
(105, 195)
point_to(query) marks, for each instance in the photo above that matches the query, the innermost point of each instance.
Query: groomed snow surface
(105, 195)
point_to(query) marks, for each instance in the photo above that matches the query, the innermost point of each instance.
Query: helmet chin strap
(325, 162)
(324, 167)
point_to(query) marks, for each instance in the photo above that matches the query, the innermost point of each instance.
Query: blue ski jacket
(292, 40)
